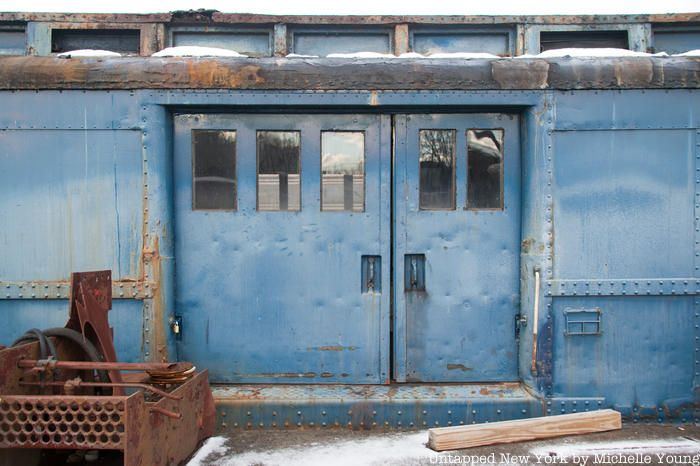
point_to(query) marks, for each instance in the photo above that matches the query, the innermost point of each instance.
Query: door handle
(414, 272)
(371, 274)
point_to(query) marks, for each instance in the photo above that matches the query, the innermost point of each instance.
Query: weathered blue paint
(82, 186)
(404, 406)
(289, 307)
(472, 278)
(628, 156)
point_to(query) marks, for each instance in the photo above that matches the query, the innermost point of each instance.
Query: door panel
(270, 287)
(457, 243)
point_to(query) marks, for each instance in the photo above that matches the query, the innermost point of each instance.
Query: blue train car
(367, 242)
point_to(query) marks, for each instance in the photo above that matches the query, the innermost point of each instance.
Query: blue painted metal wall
(87, 183)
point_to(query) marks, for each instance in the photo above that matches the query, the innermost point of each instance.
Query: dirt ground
(634, 444)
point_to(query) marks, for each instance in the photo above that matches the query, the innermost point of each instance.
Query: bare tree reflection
(437, 155)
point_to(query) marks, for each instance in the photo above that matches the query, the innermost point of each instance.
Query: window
(279, 174)
(550, 40)
(437, 169)
(12, 41)
(485, 169)
(323, 41)
(343, 171)
(214, 170)
(115, 40)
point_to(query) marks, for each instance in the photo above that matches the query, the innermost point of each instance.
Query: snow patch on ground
(196, 51)
(212, 446)
(623, 447)
(380, 450)
(84, 53)
(689, 53)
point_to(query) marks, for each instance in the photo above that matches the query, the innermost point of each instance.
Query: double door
(347, 248)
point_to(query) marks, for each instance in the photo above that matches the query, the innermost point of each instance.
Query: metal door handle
(414, 273)
(371, 274)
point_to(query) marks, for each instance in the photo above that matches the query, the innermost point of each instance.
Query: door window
(343, 171)
(279, 170)
(484, 169)
(437, 169)
(214, 170)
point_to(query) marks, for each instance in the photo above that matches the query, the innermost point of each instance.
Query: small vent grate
(582, 321)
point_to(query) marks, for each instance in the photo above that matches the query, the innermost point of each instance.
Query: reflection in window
(279, 170)
(437, 169)
(342, 171)
(214, 170)
(485, 169)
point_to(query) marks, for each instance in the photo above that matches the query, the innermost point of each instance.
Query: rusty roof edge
(214, 17)
(38, 73)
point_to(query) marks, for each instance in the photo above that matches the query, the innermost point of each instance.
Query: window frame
(235, 168)
(454, 171)
(364, 170)
(257, 169)
(502, 172)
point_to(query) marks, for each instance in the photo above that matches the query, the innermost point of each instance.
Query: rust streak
(461, 367)
(332, 348)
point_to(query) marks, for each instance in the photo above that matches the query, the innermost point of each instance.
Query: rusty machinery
(63, 389)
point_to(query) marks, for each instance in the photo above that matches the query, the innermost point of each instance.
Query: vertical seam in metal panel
(696, 263)
(148, 320)
(549, 246)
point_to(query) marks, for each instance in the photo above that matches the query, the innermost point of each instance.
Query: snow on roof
(300, 55)
(590, 53)
(689, 53)
(196, 51)
(88, 53)
(361, 55)
(466, 55)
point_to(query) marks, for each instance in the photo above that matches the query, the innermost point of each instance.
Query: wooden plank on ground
(458, 437)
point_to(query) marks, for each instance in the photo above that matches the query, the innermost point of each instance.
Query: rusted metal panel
(215, 16)
(18, 73)
(402, 40)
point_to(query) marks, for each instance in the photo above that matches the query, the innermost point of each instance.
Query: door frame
(400, 148)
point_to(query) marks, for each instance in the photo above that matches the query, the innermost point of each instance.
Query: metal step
(403, 406)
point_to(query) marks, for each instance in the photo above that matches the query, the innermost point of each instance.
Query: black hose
(36, 334)
(77, 338)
